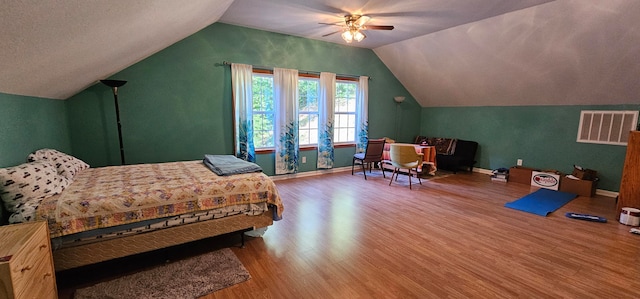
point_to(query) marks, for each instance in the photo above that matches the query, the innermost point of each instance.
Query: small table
(429, 165)
(429, 158)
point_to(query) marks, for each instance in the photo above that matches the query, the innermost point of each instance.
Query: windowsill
(339, 145)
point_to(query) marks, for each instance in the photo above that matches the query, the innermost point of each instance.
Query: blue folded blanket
(228, 165)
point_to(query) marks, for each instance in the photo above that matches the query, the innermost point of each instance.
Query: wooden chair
(404, 156)
(372, 154)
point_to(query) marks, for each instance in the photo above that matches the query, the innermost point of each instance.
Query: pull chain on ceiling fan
(355, 24)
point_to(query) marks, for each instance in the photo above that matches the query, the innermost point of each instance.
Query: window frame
(265, 112)
(309, 113)
(354, 113)
(266, 150)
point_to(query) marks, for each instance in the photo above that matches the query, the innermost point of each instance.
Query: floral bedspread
(115, 195)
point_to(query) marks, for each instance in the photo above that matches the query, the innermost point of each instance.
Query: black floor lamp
(398, 100)
(114, 84)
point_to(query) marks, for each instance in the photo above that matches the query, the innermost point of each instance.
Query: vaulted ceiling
(445, 52)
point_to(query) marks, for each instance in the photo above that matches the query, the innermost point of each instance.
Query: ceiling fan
(355, 24)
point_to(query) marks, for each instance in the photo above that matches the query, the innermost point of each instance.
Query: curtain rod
(299, 71)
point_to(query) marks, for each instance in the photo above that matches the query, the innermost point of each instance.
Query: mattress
(117, 195)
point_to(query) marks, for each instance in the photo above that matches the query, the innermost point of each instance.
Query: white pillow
(66, 165)
(25, 212)
(35, 180)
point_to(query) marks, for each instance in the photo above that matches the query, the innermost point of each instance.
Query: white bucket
(630, 216)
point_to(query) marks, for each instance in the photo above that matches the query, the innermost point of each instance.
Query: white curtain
(285, 83)
(362, 115)
(241, 81)
(326, 99)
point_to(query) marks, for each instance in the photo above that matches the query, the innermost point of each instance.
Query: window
(263, 111)
(606, 127)
(308, 111)
(345, 112)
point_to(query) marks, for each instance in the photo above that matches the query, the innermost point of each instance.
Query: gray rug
(439, 175)
(190, 278)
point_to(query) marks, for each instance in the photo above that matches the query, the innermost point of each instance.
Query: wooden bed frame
(82, 255)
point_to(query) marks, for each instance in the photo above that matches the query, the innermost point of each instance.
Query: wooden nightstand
(26, 263)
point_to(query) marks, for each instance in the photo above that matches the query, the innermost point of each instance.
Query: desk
(429, 165)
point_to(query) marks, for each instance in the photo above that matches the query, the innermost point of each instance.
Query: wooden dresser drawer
(26, 266)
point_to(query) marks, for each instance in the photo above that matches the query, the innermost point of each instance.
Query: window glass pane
(344, 120)
(341, 105)
(262, 93)
(263, 117)
(342, 135)
(351, 122)
(336, 135)
(303, 136)
(345, 111)
(308, 107)
(351, 104)
(304, 121)
(308, 94)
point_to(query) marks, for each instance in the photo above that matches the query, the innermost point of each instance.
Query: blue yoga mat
(542, 202)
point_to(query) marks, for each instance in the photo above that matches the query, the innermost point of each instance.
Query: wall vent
(606, 127)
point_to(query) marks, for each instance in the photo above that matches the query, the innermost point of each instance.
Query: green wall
(542, 136)
(177, 103)
(28, 124)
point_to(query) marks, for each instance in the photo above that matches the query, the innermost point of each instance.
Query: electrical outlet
(519, 162)
(304, 160)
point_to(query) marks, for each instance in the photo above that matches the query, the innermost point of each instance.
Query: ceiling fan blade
(378, 27)
(422, 14)
(332, 33)
(333, 24)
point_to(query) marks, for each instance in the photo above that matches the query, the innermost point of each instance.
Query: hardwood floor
(344, 237)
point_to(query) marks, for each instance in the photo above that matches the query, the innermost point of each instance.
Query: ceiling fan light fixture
(347, 36)
(353, 34)
(355, 26)
(359, 36)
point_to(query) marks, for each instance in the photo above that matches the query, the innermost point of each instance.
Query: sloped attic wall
(565, 52)
(177, 104)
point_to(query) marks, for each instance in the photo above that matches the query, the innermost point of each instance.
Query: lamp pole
(114, 84)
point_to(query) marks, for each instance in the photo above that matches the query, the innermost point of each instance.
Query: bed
(98, 214)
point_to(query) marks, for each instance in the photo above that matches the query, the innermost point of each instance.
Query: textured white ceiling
(54, 49)
(445, 52)
(411, 18)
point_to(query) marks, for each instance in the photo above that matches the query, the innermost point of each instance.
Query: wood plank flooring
(344, 237)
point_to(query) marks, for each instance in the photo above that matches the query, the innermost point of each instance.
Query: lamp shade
(113, 83)
(359, 36)
(398, 99)
(347, 36)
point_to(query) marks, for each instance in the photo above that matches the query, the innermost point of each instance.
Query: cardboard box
(548, 180)
(584, 173)
(520, 174)
(580, 187)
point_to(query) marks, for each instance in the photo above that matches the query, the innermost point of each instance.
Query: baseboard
(601, 192)
(309, 173)
(606, 193)
(483, 171)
